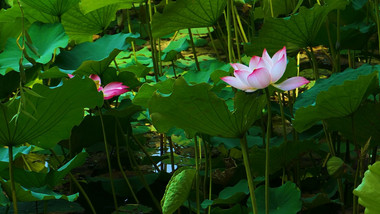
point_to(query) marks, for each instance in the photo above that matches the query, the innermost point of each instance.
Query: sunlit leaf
(88, 6)
(367, 191)
(46, 38)
(81, 27)
(52, 7)
(177, 190)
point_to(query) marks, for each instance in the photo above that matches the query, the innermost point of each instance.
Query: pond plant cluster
(189, 106)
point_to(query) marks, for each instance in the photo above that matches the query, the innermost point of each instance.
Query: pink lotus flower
(110, 90)
(262, 72)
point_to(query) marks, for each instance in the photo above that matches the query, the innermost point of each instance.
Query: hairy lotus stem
(251, 186)
(269, 127)
(11, 178)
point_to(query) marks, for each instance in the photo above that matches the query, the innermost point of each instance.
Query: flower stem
(269, 127)
(194, 51)
(76, 183)
(228, 24)
(11, 178)
(251, 186)
(197, 162)
(281, 102)
(108, 162)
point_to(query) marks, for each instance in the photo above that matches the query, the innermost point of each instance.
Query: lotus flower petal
(278, 55)
(267, 60)
(259, 78)
(236, 83)
(278, 69)
(292, 83)
(70, 75)
(238, 66)
(254, 62)
(114, 89)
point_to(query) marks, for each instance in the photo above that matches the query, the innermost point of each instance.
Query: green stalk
(213, 43)
(81, 190)
(271, 8)
(332, 48)
(196, 148)
(229, 30)
(240, 25)
(281, 102)
(269, 127)
(130, 31)
(210, 182)
(121, 167)
(313, 60)
(108, 162)
(337, 46)
(193, 48)
(251, 186)
(236, 31)
(11, 178)
(377, 21)
(152, 43)
(171, 154)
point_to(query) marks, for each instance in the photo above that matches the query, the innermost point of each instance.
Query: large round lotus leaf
(46, 41)
(197, 109)
(47, 115)
(35, 194)
(81, 27)
(187, 14)
(337, 101)
(297, 31)
(283, 199)
(368, 191)
(88, 6)
(177, 190)
(52, 7)
(366, 124)
(93, 57)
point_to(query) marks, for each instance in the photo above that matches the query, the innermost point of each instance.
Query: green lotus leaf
(174, 47)
(29, 179)
(81, 27)
(295, 32)
(177, 190)
(366, 124)
(283, 199)
(47, 114)
(52, 7)
(308, 97)
(197, 109)
(147, 90)
(46, 41)
(94, 57)
(17, 152)
(35, 194)
(187, 14)
(88, 6)
(337, 101)
(335, 166)
(368, 190)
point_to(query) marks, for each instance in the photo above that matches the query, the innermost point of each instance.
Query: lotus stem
(282, 103)
(193, 48)
(130, 31)
(271, 8)
(269, 129)
(251, 186)
(213, 43)
(108, 162)
(11, 178)
(377, 21)
(152, 42)
(228, 25)
(81, 190)
(236, 30)
(171, 153)
(121, 167)
(197, 162)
